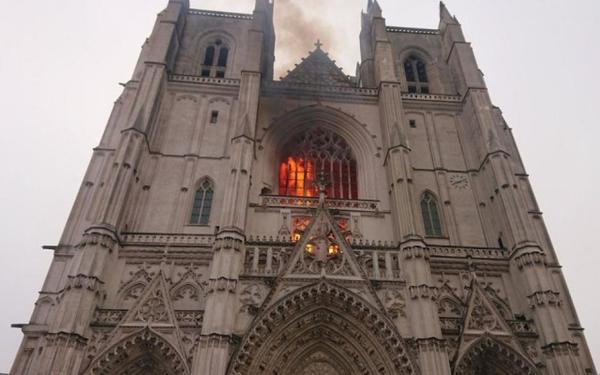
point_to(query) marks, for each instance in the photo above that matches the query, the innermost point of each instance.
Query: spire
(445, 15)
(374, 9)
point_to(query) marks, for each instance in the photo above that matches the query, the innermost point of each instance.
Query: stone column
(422, 309)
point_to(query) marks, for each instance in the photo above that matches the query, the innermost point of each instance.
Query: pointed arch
(487, 354)
(361, 141)
(322, 318)
(431, 214)
(203, 199)
(139, 350)
(417, 70)
(215, 54)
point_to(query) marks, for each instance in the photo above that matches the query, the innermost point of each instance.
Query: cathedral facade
(233, 224)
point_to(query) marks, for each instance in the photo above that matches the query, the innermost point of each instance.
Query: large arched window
(202, 203)
(311, 152)
(431, 216)
(215, 59)
(416, 75)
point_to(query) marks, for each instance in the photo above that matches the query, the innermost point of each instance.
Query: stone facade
(181, 255)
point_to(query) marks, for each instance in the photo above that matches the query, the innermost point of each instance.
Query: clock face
(459, 181)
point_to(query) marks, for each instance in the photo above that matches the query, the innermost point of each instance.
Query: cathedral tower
(233, 224)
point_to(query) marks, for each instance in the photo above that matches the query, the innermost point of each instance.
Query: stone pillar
(63, 346)
(221, 311)
(422, 311)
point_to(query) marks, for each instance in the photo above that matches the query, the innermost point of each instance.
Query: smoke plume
(300, 23)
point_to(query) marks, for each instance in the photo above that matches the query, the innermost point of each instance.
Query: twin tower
(229, 223)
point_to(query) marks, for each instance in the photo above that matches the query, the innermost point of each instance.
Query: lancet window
(431, 216)
(416, 75)
(202, 203)
(312, 152)
(215, 59)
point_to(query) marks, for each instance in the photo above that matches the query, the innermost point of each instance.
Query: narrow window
(501, 243)
(223, 54)
(210, 56)
(416, 75)
(202, 203)
(412, 123)
(215, 60)
(214, 117)
(431, 217)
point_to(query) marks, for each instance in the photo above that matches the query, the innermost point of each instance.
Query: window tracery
(202, 203)
(416, 75)
(310, 153)
(215, 59)
(431, 216)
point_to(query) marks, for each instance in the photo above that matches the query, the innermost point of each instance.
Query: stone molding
(509, 358)
(303, 301)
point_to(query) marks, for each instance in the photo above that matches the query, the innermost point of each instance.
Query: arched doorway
(322, 329)
(142, 353)
(487, 356)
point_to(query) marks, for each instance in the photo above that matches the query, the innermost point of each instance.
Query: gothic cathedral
(233, 224)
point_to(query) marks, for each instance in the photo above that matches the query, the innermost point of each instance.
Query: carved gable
(484, 324)
(482, 316)
(323, 252)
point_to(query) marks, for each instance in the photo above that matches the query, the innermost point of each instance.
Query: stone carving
(251, 297)
(394, 303)
(141, 345)
(482, 318)
(190, 285)
(368, 342)
(321, 250)
(134, 287)
(97, 341)
(487, 355)
(153, 309)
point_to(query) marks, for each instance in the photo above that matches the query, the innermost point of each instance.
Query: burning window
(312, 152)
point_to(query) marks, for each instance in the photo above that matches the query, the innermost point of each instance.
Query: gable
(318, 69)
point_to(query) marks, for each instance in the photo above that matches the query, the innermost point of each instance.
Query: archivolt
(492, 354)
(322, 319)
(142, 348)
(356, 134)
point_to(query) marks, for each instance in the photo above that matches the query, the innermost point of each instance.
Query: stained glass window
(416, 75)
(310, 153)
(431, 217)
(202, 203)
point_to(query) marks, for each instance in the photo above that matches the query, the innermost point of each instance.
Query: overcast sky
(62, 60)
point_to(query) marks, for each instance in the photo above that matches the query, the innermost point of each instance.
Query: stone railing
(167, 239)
(281, 85)
(112, 317)
(464, 252)
(521, 328)
(411, 30)
(311, 202)
(210, 13)
(432, 97)
(204, 80)
(381, 260)
(266, 261)
(380, 264)
(269, 260)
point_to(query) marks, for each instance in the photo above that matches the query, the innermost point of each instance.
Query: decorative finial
(318, 44)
